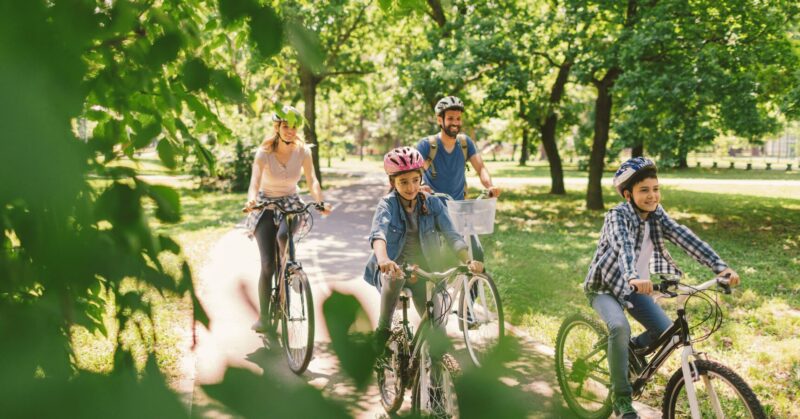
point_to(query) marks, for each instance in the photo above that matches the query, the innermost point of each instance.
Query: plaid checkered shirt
(614, 262)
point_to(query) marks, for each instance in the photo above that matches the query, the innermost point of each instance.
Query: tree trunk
(362, 137)
(682, 158)
(548, 131)
(308, 84)
(602, 125)
(637, 150)
(525, 152)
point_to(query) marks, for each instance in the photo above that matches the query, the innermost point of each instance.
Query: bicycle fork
(691, 375)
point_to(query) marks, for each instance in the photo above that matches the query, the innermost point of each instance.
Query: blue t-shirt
(450, 176)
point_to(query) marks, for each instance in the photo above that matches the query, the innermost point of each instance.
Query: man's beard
(451, 130)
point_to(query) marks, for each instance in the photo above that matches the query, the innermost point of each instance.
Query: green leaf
(356, 355)
(168, 203)
(166, 152)
(167, 244)
(196, 75)
(386, 5)
(147, 134)
(164, 50)
(232, 10)
(307, 45)
(205, 156)
(229, 87)
(266, 29)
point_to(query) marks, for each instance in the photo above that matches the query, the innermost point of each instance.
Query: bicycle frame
(678, 336)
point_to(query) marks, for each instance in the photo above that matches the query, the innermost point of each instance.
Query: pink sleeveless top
(278, 179)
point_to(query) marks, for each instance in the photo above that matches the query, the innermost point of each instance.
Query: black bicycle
(291, 308)
(410, 360)
(701, 388)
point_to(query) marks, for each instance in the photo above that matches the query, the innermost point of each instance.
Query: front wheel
(582, 366)
(721, 393)
(391, 372)
(434, 393)
(480, 316)
(297, 321)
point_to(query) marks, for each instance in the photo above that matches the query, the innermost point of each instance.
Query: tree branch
(546, 56)
(342, 40)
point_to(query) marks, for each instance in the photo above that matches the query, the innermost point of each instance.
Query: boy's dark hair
(646, 173)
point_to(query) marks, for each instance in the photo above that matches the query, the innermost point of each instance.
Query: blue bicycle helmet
(628, 169)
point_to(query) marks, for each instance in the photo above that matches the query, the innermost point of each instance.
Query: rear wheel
(297, 321)
(434, 393)
(582, 366)
(721, 393)
(480, 316)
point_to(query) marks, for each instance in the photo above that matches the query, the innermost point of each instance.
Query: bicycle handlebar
(319, 206)
(484, 193)
(667, 285)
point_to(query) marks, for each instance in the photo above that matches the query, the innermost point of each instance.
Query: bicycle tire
(574, 371)
(434, 392)
(297, 321)
(482, 331)
(708, 370)
(392, 386)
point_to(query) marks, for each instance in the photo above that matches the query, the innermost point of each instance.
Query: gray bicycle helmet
(290, 115)
(448, 103)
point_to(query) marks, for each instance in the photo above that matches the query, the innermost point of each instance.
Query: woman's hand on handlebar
(326, 208)
(733, 277)
(642, 286)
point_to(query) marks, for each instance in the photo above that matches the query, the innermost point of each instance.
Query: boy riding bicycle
(405, 230)
(631, 247)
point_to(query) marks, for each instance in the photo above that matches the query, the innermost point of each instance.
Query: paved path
(333, 255)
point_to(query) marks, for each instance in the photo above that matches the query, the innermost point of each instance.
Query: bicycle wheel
(298, 321)
(434, 393)
(391, 382)
(480, 316)
(582, 366)
(721, 393)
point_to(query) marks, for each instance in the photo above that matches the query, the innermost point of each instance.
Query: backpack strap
(462, 141)
(434, 145)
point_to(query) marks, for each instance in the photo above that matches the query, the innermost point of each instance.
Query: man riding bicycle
(446, 155)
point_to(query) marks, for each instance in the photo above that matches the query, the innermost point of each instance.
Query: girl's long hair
(270, 144)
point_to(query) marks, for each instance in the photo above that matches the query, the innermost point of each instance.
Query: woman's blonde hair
(270, 144)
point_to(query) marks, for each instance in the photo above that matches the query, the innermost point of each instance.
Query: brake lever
(723, 283)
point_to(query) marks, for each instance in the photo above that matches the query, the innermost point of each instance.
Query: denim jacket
(389, 224)
(614, 262)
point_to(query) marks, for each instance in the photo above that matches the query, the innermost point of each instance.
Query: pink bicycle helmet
(402, 159)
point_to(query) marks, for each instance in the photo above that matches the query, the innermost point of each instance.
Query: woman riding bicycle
(405, 230)
(631, 246)
(276, 171)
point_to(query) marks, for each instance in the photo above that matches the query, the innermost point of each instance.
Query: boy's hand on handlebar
(642, 286)
(475, 266)
(733, 277)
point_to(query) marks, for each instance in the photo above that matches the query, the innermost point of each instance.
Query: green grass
(542, 169)
(543, 244)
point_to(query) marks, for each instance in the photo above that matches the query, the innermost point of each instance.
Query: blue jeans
(646, 312)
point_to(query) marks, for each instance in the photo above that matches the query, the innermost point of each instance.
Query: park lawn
(542, 169)
(542, 246)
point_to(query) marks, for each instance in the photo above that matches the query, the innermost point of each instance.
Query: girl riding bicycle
(276, 171)
(405, 230)
(631, 246)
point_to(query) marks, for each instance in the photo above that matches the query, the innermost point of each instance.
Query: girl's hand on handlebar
(475, 266)
(733, 277)
(642, 286)
(426, 189)
(391, 269)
